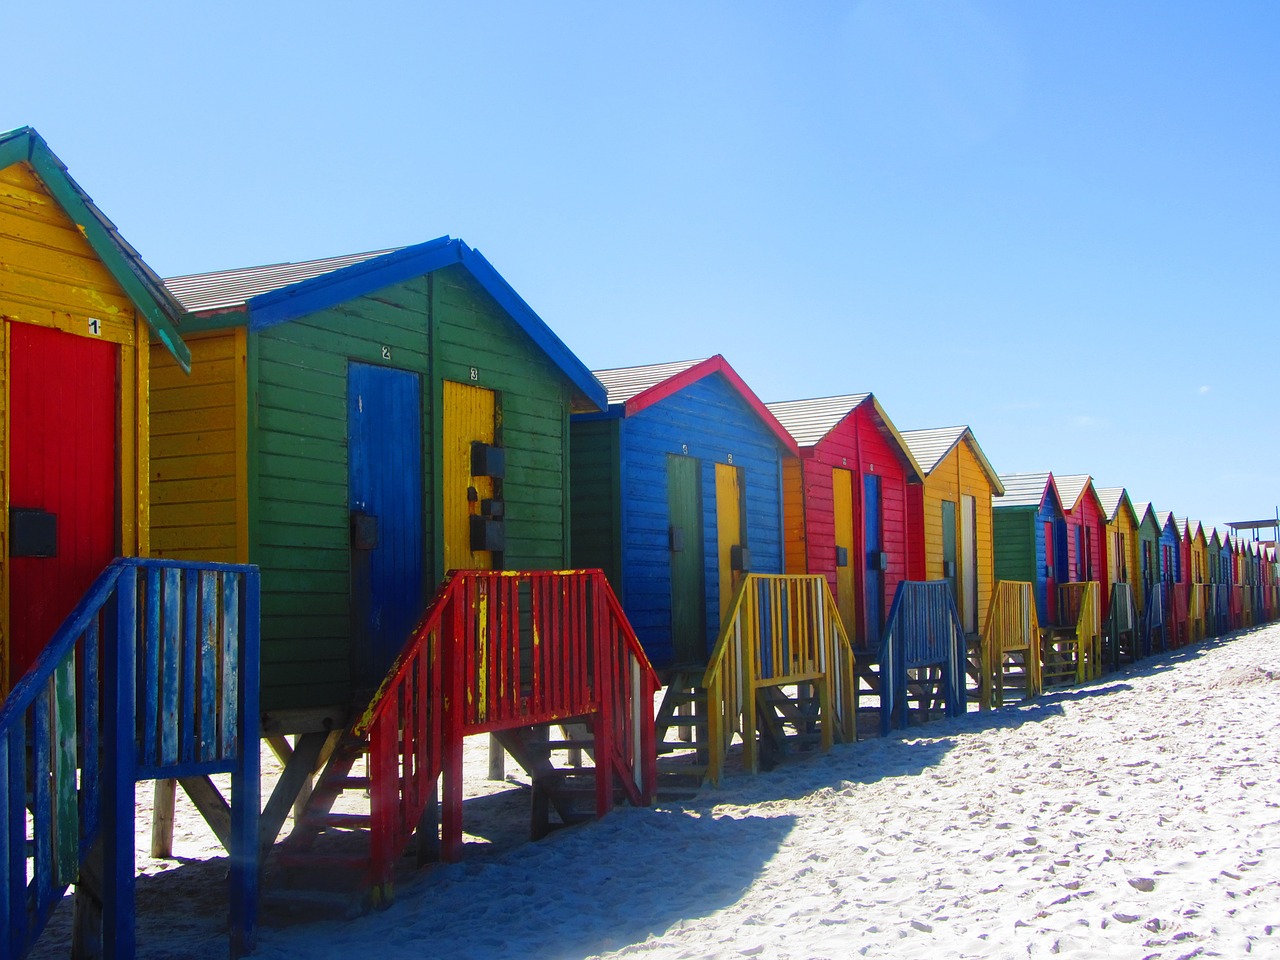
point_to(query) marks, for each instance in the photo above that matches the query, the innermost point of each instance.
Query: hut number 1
(95, 326)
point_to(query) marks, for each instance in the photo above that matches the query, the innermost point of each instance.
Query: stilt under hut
(950, 517)
(1124, 572)
(387, 435)
(96, 696)
(847, 519)
(1086, 556)
(1173, 572)
(1155, 599)
(678, 497)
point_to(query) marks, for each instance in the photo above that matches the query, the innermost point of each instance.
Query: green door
(688, 594)
(949, 547)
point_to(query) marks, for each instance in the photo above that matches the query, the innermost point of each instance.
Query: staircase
(152, 676)
(681, 735)
(518, 655)
(781, 633)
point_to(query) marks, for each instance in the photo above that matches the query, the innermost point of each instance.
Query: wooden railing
(1153, 618)
(1196, 611)
(154, 675)
(780, 630)
(1072, 652)
(1012, 627)
(1178, 613)
(497, 650)
(923, 630)
(1122, 621)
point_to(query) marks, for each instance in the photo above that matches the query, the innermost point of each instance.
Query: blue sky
(1058, 223)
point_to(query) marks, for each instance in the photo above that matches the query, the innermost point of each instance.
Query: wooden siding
(298, 487)
(1087, 517)
(595, 536)
(957, 475)
(199, 463)
(1018, 538)
(53, 278)
(471, 332)
(793, 516)
(1126, 566)
(707, 420)
(858, 445)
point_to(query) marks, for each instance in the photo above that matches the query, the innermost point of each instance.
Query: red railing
(497, 650)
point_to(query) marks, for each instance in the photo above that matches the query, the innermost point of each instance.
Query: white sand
(1136, 817)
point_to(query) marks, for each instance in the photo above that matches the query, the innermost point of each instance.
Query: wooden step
(340, 821)
(353, 864)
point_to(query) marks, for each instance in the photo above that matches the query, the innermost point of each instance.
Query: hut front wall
(709, 421)
(794, 510)
(1171, 556)
(476, 342)
(1127, 565)
(1199, 572)
(856, 444)
(199, 463)
(958, 475)
(52, 278)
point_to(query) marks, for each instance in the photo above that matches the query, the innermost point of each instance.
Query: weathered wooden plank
(230, 744)
(41, 796)
(212, 806)
(171, 716)
(210, 663)
(66, 800)
(151, 654)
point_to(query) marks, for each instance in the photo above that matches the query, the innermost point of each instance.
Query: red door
(62, 423)
(1050, 580)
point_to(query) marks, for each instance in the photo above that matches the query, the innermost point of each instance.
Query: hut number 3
(475, 374)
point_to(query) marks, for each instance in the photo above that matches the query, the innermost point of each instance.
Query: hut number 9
(475, 374)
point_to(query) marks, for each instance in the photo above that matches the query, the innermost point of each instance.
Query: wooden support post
(162, 812)
(428, 832)
(86, 923)
(212, 806)
(497, 758)
(308, 752)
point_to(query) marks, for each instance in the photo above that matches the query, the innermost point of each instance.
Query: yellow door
(729, 532)
(470, 415)
(842, 501)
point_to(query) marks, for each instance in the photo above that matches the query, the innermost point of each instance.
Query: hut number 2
(386, 353)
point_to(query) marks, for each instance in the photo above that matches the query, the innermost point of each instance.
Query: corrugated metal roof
(1070, 487)
(811, 420)
(623, 383)
(930, 446)
(226, 289)
(1163, 517)
(1110, 497)
(1022, 489)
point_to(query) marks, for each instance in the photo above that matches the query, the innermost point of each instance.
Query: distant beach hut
(1030, 535)
(1173, 572)
(1155, 598)
(950, 516)
(1124, 571)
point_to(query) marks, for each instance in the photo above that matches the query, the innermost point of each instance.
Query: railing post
(245, 780)
(121, 760)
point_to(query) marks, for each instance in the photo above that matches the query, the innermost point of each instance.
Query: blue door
(875, 564)
(384, 485)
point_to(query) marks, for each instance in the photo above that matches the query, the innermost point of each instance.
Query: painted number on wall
(386, 353)
(729, 458)
(475, 374)
(95, 326)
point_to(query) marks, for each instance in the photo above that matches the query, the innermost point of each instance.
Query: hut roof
(809, 421)
(1112, 499)
(284, 291)
(161, 311)
(1023, 489)
(930, 448)
(632, 389)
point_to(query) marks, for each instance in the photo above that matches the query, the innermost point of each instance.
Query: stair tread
(336, 820)
(321, 861)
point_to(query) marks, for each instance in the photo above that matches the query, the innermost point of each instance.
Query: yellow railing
(1196, 607)
(780, 630)
(1073, 652)
(1011, 627)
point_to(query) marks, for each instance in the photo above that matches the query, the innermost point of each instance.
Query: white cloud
(1203, 390)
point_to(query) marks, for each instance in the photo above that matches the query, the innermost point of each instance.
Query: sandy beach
(1135, 817)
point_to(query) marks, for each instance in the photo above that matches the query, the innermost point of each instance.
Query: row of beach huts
(362, 508)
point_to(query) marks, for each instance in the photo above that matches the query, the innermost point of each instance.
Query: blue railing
(923, 630)
(153, 675)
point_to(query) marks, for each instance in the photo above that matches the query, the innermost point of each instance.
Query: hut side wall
(199, 468)
(595, 534)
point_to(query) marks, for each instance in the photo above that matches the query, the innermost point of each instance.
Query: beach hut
(80, 601)
(1124, 564)
(950, 516)
(677, 493)
(1154, 592)
(1086, 526)
(1216, 552)
(380, 432)
(1030, 537)
(847, 514)
(1198, 596)
(678, 497)
(78, 307)
(1173, 573)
